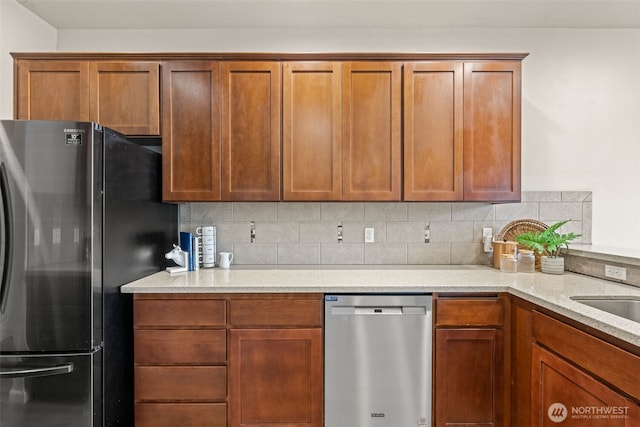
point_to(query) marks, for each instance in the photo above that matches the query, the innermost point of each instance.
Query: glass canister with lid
(526, 261)
(508, 263)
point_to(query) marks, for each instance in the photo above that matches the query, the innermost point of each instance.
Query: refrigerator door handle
(37, 372)
(8, 237)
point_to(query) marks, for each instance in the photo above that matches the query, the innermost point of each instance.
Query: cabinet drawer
(470, 312)
(180, 383)
(182, 347)
(179, 313)
(181, 414)
(275, 312)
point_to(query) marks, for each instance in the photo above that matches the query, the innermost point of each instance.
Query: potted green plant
(548, 243)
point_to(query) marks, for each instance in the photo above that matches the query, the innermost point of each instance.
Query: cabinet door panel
(492, 131)
(191, 131)
(251, 97)
(125, 96)
(371, 122)
(469, 377)
(562, 393)
(53, 90)
(311, 145)
(433, 131)
(275, 377)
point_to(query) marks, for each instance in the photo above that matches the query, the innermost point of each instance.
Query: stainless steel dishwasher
(378, 360)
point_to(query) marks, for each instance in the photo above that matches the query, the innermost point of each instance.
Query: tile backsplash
(307, 233)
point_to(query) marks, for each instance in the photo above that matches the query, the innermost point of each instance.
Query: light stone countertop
(553, 292)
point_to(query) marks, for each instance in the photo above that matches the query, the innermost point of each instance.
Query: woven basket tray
(518, 227)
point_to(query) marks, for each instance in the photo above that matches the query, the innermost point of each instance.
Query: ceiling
(206, 14)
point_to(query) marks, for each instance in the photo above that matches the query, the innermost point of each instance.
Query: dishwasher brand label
(331, 298)
(377, 415)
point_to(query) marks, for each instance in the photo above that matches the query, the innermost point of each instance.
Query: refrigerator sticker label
(73, 139)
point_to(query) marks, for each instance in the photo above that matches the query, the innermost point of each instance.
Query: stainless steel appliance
(80, 215)
(378, 360)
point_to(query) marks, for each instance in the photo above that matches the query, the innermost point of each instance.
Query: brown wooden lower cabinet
(180, 355)
(565, 374)
(564, 395)
(228, 360)
(257, 360)
(275, 377)
(471, 381)
(469, 377)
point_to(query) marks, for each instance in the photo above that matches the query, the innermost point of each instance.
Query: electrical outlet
(613, 272)
(369, 235)
(487, 236)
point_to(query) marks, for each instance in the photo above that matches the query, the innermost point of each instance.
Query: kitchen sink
(627, 307)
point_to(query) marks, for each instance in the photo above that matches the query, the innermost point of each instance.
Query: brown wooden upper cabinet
(462, 131)
(371, 130)
(311, 131)
(251, 114)
(298, 127)
(341, 131)
(433, 131)
(492, 131)
(52, 90)
(191, 102)
(123, 95)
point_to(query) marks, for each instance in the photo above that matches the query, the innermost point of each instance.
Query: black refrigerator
(80, 215)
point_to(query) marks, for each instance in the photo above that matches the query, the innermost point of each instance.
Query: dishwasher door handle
(377, 310)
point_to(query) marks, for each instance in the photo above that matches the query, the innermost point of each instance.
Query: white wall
(20, 31)
(581, 96)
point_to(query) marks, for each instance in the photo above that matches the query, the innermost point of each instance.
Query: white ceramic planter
(552, 265)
